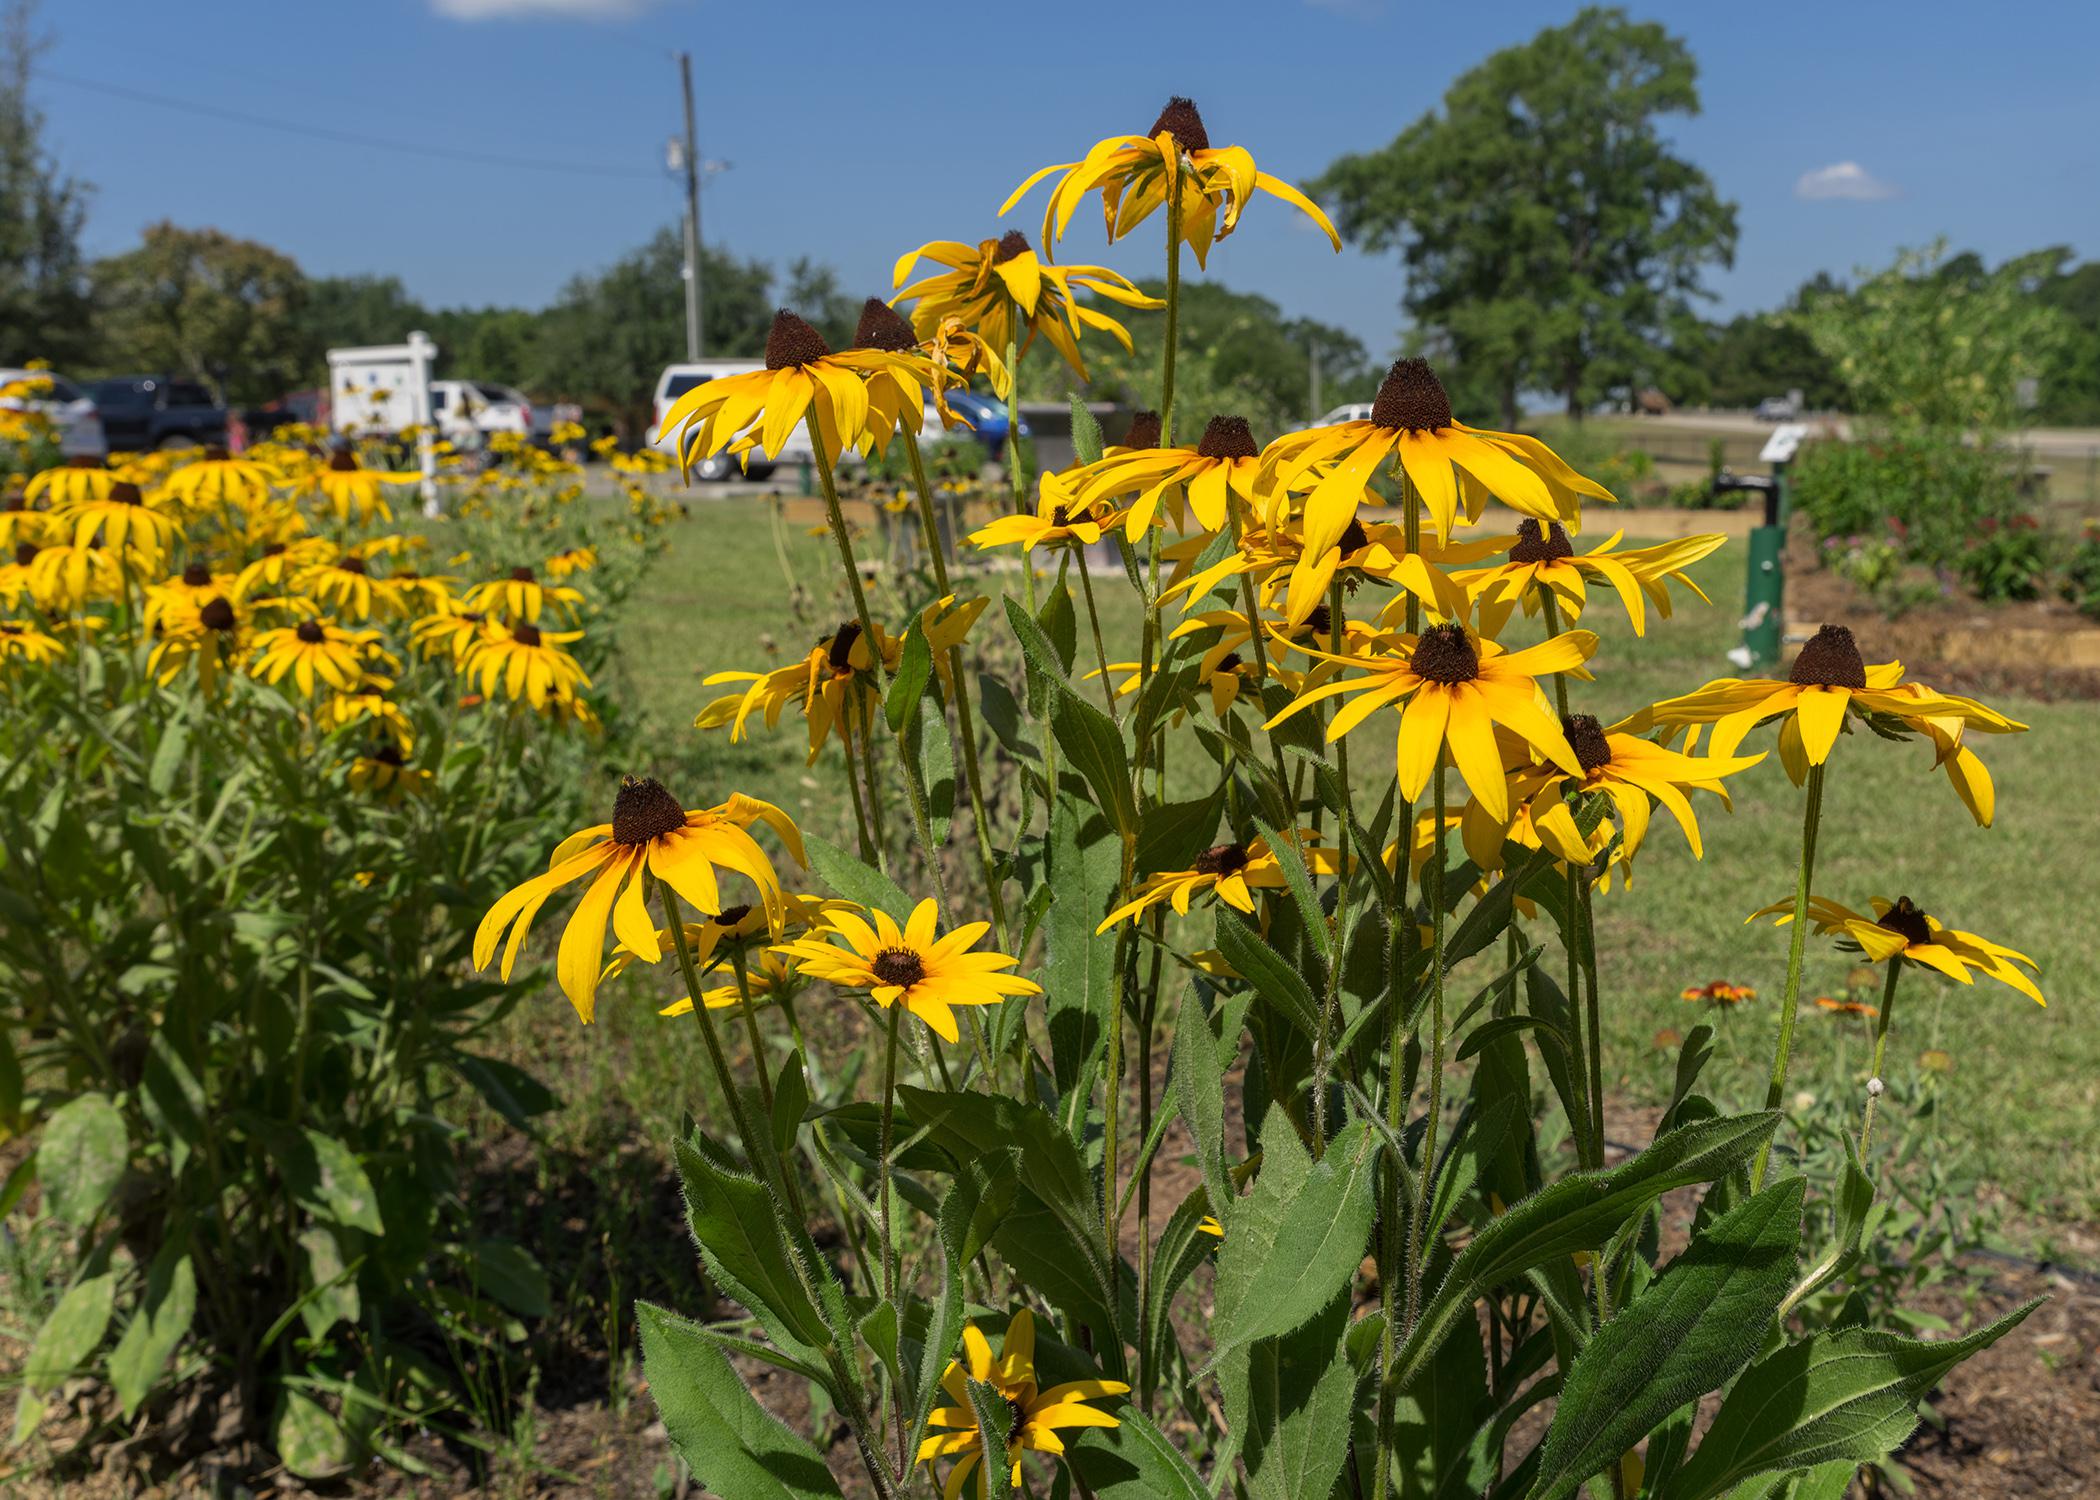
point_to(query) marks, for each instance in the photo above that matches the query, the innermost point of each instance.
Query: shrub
(2082, 573)
(1938, 491)
(236, 938)
(2007, 560)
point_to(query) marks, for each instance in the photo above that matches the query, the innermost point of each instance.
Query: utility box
(383, 390)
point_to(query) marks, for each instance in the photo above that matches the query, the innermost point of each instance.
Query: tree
(1938, 342)
(1755, 355)
(610, 333)
(43, 295)
(2071, 385)
(199, 302)
(1550, 235)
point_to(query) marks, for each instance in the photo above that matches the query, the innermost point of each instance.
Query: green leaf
(309, 1439)
(326, 1179)
(82, 1157)
(970, 1215)
(1290, 1400)
(1094, 745)
(994, 1418)
(733, 1445)
(1849, 1212)
(1181, 1247)
(71, 1334)
(1198, 1081)
(855, 881)
(332, 1295)
(1045, 665)
(1297, 1238)
(1060, 626)
(1275, 980)
(1850, 1395)
(933, 754)
(168, 757)
(1172, 834)
(1576, 1213)
(507, 1088)
(172, 1098)
(1087, 441)
(908, 685)
(508, 1273)
(1299, 880)
(1691, 1059)
(790, 1103)
(1134, 1460)
(1086, 861)
(162, 1317)
(1700, 1321)
(734, 1222)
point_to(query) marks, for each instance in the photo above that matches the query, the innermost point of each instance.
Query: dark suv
(142, 412)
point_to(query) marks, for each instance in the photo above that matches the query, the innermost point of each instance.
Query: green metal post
(1764, 590)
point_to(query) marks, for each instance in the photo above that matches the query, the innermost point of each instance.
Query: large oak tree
(1553, 240)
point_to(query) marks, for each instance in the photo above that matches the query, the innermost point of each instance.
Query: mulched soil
(2040, 648)
(2022, 1419)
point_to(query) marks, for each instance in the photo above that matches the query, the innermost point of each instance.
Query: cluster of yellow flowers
(1364, 565)
(278, 564)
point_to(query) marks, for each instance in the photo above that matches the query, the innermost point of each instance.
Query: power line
(344, 137)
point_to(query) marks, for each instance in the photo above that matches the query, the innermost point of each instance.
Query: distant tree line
(1551, 240)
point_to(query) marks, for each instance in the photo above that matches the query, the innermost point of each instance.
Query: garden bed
(2040, 648)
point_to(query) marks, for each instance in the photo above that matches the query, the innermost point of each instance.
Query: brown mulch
(2040, 648)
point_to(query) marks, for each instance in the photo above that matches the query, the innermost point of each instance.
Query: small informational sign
(385, 389)
(1785, 439)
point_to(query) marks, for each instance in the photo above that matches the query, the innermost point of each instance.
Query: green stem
(765, 1083)
(1323, 1056)
(674, 917)
(1881, 1038)
(1789, 1003)
(1166, 360)
(882, 1184)
(1418, 1236)
(860, 811)
(1093, 619)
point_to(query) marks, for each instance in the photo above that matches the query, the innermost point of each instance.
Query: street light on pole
(695, 325)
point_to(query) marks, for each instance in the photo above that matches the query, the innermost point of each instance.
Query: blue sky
(855, 131)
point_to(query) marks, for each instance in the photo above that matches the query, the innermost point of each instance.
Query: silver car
(79, 425)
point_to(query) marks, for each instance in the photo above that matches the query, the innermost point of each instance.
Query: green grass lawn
(2024, 1092)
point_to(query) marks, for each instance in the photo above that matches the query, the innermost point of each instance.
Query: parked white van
(676, 380)
(466, 409)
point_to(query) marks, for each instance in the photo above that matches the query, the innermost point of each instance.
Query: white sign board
(1779, 447)
(383, 389)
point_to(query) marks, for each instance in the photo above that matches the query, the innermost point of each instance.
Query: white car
(677, 379)
(1355, 411)
(79, 425)
(475, 409)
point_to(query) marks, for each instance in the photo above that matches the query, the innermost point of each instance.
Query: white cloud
(513, 10)
(1845, 179)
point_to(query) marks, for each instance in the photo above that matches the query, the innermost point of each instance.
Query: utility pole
(1314, 414)
(693, 320)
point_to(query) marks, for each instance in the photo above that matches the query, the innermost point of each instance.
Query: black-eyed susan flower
(276, 563)
(524, 662)
(1452, 688)
(911, 965)
(1232, 872)
(1036, 1415)
(1544, 558)
(737, 929)
(215, 478)
(188, 590)
(140, 532)
(354, 492)
(1634, 773)
(803, 381)
(1447, 462)
(211, 635)
(416, 594)
(77, 479)
(1199, 481)
(1827, 680)
(519, 595)
(21, 641)
(382, 770)
(650, 834)
(572, 560)
(66, 576)
(1005, 294)
(369, 704)
(15, 566)
(343, 583)
(1059, 519)
(450, 633)
(20, 523)
(314, 651)
(1135, 173)
(1899, 930)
